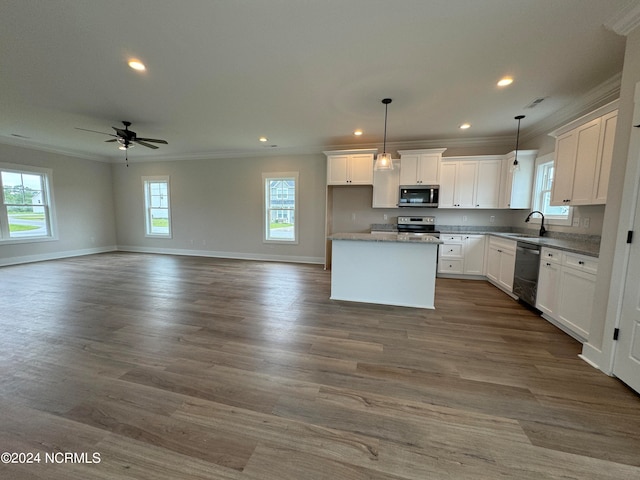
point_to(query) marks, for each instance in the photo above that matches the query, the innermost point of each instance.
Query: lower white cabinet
(501, 262)
(566, 286)
(461, 254)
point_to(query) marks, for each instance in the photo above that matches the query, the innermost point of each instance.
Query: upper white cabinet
(516, 186)
(470, 182)
(420, 167)
(350, 167)
(584, 150)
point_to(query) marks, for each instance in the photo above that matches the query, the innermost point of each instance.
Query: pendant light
(516, 166)
(383, 160)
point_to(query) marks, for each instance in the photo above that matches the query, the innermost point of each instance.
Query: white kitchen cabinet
(350, 167)
(501, 262)
(451, 255)
(474, 248)
(386, 185)
(605, 156)
(583, 152)
(469, 182)
(420, 167)
(549, 281)
(566, 286)
(516, 186)
(461, 254)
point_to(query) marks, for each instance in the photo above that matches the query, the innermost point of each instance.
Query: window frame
(49, 205)
(536, 196)
(266, 210)
(146, 184)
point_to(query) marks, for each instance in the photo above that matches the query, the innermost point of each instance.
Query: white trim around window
(280, 192)
(27, 207)
(157, 207)
(543, 182)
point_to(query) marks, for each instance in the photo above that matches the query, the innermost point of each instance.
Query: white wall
(83, 197)
(217, 207)
(608, 286)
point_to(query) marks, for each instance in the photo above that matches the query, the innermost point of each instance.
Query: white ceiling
(304, 73)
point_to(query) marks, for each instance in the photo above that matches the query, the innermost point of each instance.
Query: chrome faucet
(542, 229)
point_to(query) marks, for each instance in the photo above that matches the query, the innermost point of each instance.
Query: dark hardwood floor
(193, 368)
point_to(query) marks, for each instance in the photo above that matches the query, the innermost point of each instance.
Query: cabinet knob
(580, 262)
(548, 264)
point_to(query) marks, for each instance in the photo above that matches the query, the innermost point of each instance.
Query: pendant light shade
(383, 160)
(516, 166)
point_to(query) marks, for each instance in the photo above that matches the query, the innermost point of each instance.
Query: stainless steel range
(413, 225)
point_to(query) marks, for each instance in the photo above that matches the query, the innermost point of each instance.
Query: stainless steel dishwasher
(525, 277)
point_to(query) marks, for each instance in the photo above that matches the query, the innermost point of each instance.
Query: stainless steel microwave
(425, 196)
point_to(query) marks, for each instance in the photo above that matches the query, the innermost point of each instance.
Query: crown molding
(21, 143)
(606, 92)
(625, 20)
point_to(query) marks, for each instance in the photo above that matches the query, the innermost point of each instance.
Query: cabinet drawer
(550, 255)
(450, 250)
(581, 262)
(502, 243)
(450, 266)
(451, 238)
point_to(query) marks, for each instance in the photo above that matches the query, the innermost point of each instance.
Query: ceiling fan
(128, 138)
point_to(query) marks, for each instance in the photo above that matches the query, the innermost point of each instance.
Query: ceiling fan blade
(148, 145)
(154, 140)
(112, 140)
(95, 131)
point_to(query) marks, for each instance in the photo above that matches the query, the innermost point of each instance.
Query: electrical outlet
(385, 217)
(492, 219)
(586, 221)
(464, 218)
(353, 217)
(576, 222)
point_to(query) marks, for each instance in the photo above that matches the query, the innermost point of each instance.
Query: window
(26, 209)
(157, 207)
(280, 204)
(553, 215)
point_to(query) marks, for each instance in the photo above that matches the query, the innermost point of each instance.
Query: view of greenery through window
(24, 198)
(280, 208)
(157, 207)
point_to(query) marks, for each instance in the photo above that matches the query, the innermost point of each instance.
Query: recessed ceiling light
(357, 133)
(464, 126)
(503, 82)
(263, 139)
(137, 65)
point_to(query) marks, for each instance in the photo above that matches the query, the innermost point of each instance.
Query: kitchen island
(384, 268)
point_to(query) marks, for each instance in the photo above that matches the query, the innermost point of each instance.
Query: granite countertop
(386, 237)
(582, 244)
(576, 243)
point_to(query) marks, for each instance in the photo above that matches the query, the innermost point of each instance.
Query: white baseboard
(595, 358)
(218, 254)
(4, 262)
